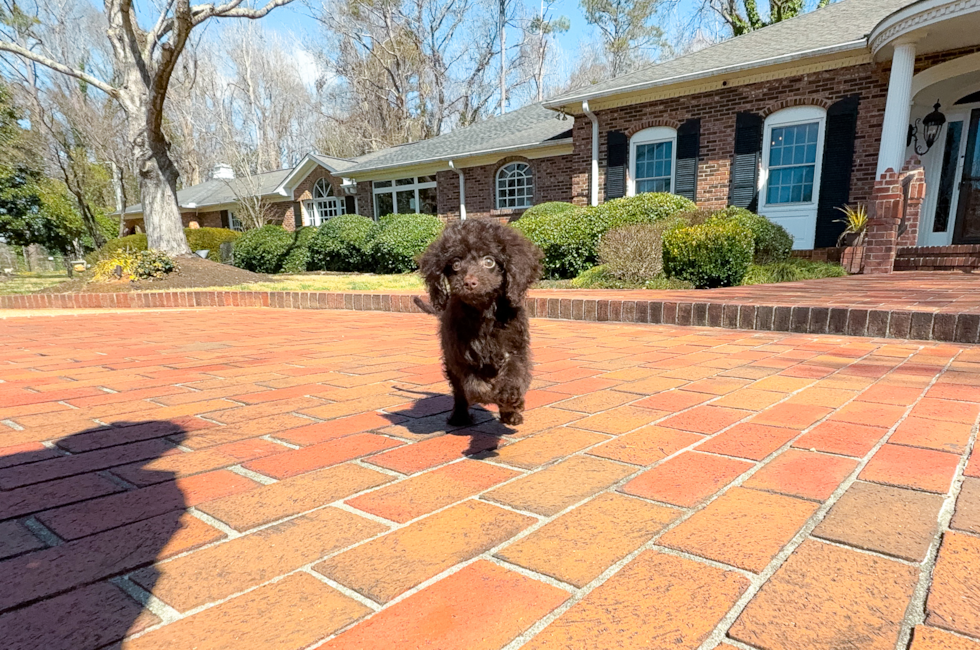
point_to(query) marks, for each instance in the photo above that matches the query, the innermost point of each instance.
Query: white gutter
(712, 72)
(594, 177)
(462, 191)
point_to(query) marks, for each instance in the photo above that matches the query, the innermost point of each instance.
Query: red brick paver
(278, 479)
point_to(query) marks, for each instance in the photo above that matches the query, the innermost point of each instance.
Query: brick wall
(717, 110)
(210, 219)
(552, 182)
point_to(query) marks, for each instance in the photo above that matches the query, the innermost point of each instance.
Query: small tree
(743, 16)
(626, 30)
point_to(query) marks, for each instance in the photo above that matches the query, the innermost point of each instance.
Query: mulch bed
(194, 272)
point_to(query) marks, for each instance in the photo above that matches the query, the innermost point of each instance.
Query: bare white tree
(143, 61)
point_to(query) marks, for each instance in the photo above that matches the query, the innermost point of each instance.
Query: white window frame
(653, 135)
(800, 219)
(323, 206)
(393, 188)
(234, 223)
(528, 175)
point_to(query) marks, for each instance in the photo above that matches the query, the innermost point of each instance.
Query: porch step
(963, 257)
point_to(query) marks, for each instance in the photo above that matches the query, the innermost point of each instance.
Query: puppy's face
(475, 277)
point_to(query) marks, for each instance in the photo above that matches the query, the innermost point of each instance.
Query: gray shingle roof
(524, 128)
(841, 26)
(336, 164)
(220, 191)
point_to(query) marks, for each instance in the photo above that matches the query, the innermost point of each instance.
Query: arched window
(323, 206)
(515, 186)
(652, 156)
(792, 156)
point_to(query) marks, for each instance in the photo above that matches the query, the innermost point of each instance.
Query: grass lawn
(30, 282)
(333, 282)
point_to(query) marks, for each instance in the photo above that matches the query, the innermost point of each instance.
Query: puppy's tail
(424, 306)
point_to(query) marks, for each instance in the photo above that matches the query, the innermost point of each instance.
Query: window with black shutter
(744, 187)
(838, 163)
(350, 205)
(617, 157)
(224, 219)
(688, 151)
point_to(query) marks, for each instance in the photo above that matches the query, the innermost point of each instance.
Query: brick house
(831, 108)
(496, 168)
(799, 118)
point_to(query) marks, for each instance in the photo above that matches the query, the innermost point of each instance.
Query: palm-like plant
(855, 223)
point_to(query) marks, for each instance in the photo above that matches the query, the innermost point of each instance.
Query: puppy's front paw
(511, 417)
(460, 419)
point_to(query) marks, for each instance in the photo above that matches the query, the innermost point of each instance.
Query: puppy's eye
(457, 265)
(488, 262)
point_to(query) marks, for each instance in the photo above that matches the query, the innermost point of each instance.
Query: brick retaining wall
(898, 324)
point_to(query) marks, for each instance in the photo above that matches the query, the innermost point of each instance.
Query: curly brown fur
(477, 274)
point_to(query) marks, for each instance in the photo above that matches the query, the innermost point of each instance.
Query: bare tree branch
(58, 67)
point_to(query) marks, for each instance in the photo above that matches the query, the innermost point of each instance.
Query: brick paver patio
(246, 478)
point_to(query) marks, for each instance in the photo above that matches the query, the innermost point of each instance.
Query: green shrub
(401, 240)
(132, 243)
(697, 216)
(710, 255)
(210, 239)
(343, 244)
(599, 277)
(564, 235)
(792, 270)
(264, 249)
(569, 235)
(642, 208)
(772, 242)
(297, 258)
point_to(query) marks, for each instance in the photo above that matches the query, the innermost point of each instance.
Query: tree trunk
(158, 195)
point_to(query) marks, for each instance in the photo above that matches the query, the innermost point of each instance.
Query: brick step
(959, 326)
(938, 258)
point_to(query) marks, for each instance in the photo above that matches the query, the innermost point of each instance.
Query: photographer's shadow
(72, 525)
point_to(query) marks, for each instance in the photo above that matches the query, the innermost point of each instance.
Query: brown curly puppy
(477, 273)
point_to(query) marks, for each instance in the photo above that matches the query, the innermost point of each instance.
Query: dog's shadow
(427, 416)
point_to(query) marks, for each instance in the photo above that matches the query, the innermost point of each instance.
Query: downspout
(462, 191)
(594, 177)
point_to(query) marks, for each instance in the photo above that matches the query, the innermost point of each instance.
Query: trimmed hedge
(197, 238)
(264, 249)
(564, 235)
(343, 244)
(210, 239)
(710, 255)
(401, 239)
(772, 242)
(570, 235)
(792, 270)
(297, 258)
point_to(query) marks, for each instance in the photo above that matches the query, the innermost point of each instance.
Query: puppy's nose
(470, 282)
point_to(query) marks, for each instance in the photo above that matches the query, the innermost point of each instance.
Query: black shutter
(350, 205)
(688, 150)
(744, 188)
(617, 157)
(835, 174)
(225, 221)
(297, 216)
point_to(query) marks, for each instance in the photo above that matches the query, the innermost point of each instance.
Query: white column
(894, 130)
(594, 177)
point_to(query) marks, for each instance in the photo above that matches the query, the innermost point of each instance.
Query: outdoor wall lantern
(932, 123)
(561, 115)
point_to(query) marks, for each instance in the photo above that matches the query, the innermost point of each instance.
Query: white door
(944, 169)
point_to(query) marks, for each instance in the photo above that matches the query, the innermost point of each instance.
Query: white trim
(288, 188)
(527, 174)
(653, 135)
(916, 16)
(933, 169)
(799, 219)
(946, 70)
(860, 44)
(462, 190)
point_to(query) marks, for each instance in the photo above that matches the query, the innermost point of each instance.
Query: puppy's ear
(523, 265)
(432, 266)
